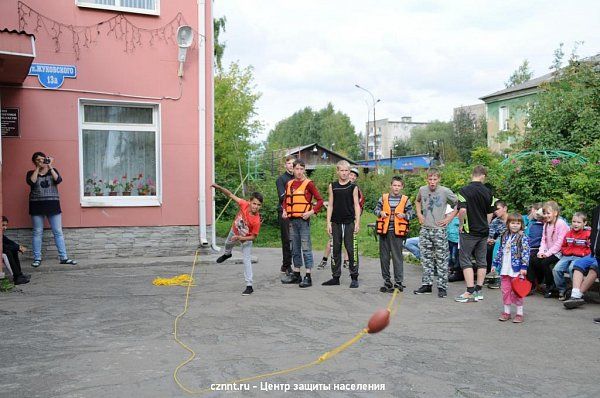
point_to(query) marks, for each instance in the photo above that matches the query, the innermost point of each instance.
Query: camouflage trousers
(433, 243)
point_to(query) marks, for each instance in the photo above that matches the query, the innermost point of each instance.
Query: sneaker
(345, 263)
(322, 264)
(505, 316)
(223, 258)
(562, 296)
(354, 284)
(248, 291)
(386, 288)
(332, 282)
(491, 275)
(292, 278)
(518, 319)
(285, 269)
(424, 289)
(21, 280)
(36, 263)
(573, 303)
(494, 284)
(71, 262)
(398, 286)
(597, 321)
(306, 282)
(478, 295)
(442, 293)
(466, 297)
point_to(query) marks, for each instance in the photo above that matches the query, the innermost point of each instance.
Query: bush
(575, 187)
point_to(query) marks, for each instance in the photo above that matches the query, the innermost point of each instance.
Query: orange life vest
(295, 201)
(400, 223)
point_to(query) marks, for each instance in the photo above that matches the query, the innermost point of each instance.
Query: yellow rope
(181, 280)
(328, 355)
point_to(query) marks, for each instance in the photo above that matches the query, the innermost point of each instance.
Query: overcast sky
(421, 58)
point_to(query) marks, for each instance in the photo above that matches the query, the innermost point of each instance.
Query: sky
(421, 58)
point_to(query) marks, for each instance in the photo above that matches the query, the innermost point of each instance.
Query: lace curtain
(118, 161)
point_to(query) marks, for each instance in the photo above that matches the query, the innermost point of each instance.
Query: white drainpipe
(202, 125)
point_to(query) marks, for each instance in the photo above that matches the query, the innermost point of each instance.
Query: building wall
(49, 118)
(111, 242)
(475, 110)
(517, 112)
(387, 132)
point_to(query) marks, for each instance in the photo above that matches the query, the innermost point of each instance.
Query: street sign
(9, 122)
(52, 76)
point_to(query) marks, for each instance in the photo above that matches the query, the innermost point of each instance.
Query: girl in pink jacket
(554, 232)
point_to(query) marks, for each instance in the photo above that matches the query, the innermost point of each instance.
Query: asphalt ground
(101, 329)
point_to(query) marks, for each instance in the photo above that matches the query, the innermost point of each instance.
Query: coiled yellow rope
(328, 355)
(180, 280)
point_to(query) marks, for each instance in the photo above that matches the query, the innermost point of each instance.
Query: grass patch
(269, 235)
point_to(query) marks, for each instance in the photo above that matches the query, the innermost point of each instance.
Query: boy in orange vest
(394, 211)
(299, 194)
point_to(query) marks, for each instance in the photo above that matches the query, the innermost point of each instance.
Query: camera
(47, 160)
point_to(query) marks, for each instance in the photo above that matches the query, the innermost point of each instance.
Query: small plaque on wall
(9, 122)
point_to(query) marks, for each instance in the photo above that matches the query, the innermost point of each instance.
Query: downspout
(202, 125)
(210, 54)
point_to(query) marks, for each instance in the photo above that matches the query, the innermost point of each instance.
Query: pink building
(95, 84)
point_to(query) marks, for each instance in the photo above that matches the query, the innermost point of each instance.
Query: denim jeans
(412, 245)
(564, 264)
(301, 243)
(453, 265)
(38, 230)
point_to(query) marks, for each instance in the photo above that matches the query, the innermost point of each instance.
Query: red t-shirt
(246, 223)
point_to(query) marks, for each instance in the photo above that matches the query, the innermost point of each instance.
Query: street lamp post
(374, 125)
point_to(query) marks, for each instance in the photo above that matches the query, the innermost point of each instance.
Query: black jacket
(281, 183)
(9, 245)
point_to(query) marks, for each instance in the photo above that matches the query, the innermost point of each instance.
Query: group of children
(540, 247)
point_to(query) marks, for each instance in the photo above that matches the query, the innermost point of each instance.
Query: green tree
(422, 137)
(567, 112)
(521, 75)
(468, 132)
(401, 147)
(219, 46)
(235, 123)
(327, 127)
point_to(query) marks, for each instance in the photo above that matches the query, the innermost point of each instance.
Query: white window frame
(120, 8)
(121, 201)
(503, 118)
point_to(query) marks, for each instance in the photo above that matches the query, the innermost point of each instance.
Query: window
(503, 118)
(119, 152)
(137, 6)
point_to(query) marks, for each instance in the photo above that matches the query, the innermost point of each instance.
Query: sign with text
(52, 76)
(9, 122)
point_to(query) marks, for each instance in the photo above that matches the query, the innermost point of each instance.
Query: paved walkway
(103, 330)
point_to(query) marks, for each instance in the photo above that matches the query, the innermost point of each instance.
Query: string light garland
(117, 26)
